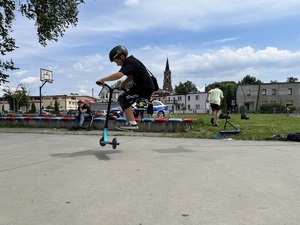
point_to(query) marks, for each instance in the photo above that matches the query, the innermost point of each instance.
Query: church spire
(167, 65)
(167, 78)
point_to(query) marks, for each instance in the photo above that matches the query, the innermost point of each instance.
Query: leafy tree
(56, 106)
(16, 99)
(185, 88)
(33, 108)
(292, 79)
(249, 80)
(52, 18)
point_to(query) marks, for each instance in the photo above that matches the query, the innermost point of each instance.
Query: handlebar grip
(98, 83)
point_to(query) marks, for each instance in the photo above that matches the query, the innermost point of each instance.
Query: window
(263, 91)
(189, 98)
(197, 97)
(273, 91)
(290, 91)
(197, 106)
(248, 92)
(179, 98)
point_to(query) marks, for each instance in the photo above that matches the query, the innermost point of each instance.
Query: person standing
(214, 97)
(140, 107)
(150, 107)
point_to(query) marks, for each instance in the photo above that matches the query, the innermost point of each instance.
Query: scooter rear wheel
(101, 142)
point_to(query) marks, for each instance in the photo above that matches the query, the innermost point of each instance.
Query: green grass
(258, 127)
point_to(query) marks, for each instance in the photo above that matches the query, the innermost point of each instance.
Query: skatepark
(61, 178)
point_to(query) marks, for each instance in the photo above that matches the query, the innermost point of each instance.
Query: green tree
(249, 80)
(185, 88)
(16, 99)
(52, 18)
(33, 108)
(292, 79)
(56, 106)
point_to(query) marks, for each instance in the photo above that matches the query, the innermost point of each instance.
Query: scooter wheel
(114, 143)
(101, 142)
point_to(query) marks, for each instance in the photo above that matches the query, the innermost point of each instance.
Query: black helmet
(117, 51)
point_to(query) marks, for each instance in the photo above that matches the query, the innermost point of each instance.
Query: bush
(292, 108)
(272, 108)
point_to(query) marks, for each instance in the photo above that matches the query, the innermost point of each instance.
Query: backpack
(293, 137)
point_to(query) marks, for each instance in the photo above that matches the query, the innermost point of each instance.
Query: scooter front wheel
(101, 142)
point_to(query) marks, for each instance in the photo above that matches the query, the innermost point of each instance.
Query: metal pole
(41, 96)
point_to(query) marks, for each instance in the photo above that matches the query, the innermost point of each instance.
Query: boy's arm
(115, 76)
(207, 96)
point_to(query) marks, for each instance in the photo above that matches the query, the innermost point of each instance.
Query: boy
(136, 73)
(214, 97)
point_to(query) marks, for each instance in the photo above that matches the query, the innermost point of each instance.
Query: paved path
(65, 179)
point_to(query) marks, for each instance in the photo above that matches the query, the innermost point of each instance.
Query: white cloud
(30, 80)
(132, 2)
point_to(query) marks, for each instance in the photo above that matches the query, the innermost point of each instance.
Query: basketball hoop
(48, 81)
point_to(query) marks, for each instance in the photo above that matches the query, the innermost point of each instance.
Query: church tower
(167, 78)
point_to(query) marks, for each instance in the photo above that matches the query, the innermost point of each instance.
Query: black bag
(293, 137)
(154, 81)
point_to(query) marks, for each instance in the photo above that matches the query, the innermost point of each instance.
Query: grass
(258, 127)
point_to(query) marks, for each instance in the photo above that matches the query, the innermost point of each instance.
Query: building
(190, 103)
(65, 102)
(254, 95)
(167, 86)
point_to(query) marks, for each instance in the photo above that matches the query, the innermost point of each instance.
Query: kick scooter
(104, 140)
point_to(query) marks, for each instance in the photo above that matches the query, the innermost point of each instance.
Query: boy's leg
(217, 117)
(212, 117)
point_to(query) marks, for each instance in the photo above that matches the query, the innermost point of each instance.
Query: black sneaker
(129, 126)
(212, 121)
(216, 124)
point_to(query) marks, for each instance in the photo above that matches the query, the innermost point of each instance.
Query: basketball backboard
(46, 75)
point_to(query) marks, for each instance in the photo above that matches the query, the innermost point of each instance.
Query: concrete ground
(60, 178)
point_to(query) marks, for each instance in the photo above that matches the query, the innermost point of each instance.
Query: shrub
(272, 108)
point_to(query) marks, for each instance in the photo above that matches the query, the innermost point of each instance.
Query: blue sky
(205, 42)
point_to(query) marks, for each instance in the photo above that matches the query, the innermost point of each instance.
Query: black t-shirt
(88, 111)
(136, 69)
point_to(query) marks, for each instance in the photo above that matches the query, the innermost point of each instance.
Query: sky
(204, 41)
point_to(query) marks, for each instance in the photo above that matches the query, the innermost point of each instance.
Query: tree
(185, 88)
(33, 108)
(52, 18)
(16, 99)
(292, 79)
(56, 106)
(249, 80)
